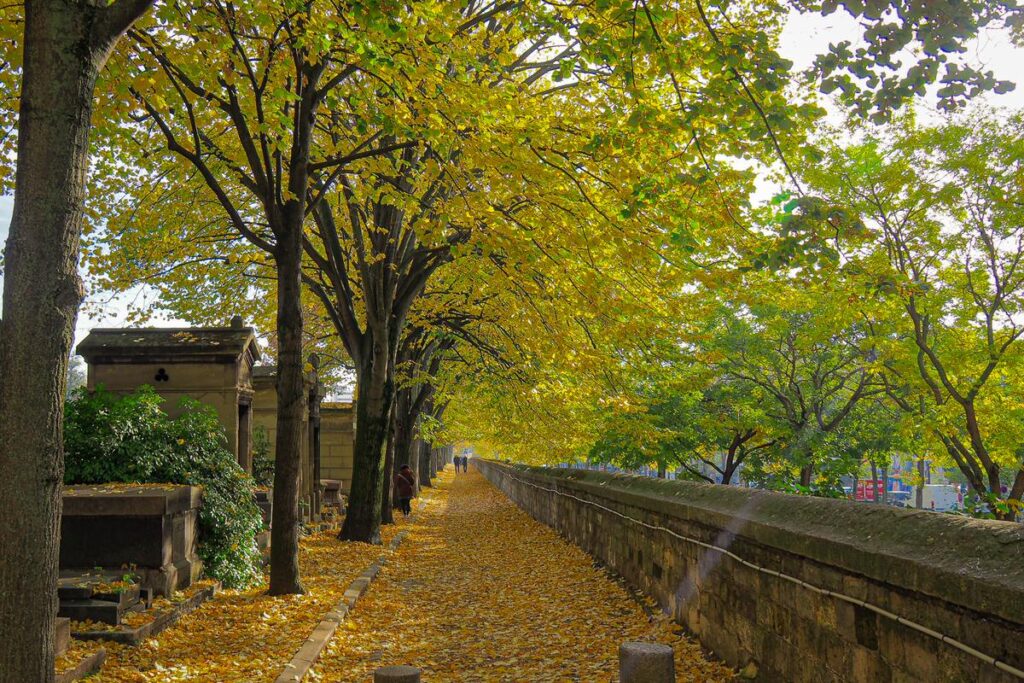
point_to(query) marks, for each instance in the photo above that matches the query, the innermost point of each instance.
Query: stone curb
(306, 657)
(160, 623)
(89, 665)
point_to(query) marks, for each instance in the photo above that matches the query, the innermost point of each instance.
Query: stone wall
(957, 577)
(264, 414)
(337, 439)
(215, 384)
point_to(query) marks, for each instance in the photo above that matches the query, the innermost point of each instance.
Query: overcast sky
(804, 37)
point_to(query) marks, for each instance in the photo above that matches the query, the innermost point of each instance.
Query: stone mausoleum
(217, 366)
(213, 365)
(337, 441)
(265, 416)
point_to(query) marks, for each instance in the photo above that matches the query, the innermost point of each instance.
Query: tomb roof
(210, 344)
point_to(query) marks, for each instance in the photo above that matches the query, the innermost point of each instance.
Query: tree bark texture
(65, 46)
(404, 421)
(291, 407)
(919, 491)
(375, 384)
(421, 452)
(387, 494)
(806, 475)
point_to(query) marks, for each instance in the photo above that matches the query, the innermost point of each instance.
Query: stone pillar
(396, 674)
(646, 663)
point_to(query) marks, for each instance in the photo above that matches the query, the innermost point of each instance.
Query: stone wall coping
(136, 501)
(972, 563)
(164, 344)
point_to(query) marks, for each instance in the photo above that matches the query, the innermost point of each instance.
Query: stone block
(396, 674)
(265, 502)
(91, 610)
(332, 492)
(867, 666)
(62, 635)
(646, 663)
(921, 657)
(150, 529)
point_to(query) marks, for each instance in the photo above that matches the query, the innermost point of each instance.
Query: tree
(63, 48)
(238, 96)
(945, 269)
(800, 348)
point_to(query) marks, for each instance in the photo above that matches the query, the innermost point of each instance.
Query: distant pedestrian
(405, 484)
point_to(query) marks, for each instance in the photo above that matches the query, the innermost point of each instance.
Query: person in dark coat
(404, 487)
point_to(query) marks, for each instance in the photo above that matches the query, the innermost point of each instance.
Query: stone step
(62, 635)
(71, 592)
(92, 610)
(125, 598)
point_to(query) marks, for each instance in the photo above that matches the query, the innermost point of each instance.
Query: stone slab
(162, 621)
(89, 665)
(119, 500)
(92, 610)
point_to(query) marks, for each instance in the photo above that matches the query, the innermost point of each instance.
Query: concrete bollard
(396, 674)
(646, 663)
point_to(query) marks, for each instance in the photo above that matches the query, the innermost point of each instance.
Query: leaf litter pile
(479, 591)
(247, 635)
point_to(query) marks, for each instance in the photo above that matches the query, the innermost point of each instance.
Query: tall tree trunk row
(64, 48)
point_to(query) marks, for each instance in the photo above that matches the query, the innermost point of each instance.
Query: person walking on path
(404, 487)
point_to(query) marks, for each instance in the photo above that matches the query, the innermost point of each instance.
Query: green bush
(110, 438)
(262, 463)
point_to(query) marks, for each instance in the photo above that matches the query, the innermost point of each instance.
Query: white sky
(804, 37)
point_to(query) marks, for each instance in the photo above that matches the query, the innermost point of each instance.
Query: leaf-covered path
(479, 591)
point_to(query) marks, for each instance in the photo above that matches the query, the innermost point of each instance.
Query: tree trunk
(661, 470)
(403, 430)
(919, 494)
(65, 46)
(291, 407)
(885, 485)
(729, 470)
(874, 483)
(427, 473)
(387, 494)
(375, 385)
(806, 474)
